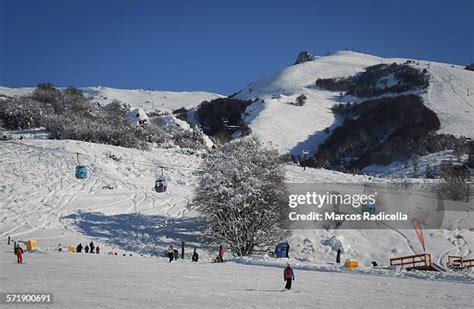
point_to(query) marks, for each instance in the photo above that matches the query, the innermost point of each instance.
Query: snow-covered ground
(399, 169)
(106, 281)
(321, 245)
(295, 128)
(41, 199)
(118, 207)
(148, 100)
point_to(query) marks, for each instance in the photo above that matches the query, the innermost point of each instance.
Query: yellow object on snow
(350, 263)
(72, 249)
(31, 245)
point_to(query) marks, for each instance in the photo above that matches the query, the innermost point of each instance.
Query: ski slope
(118, 208)
(148, 100)
(295, 128)
(320, 245)
(106, 281)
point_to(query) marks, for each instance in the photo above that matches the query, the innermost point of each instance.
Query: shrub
(377, 80)
(378, 132)
(301, 100)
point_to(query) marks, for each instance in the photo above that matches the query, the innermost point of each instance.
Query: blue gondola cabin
(81, 172)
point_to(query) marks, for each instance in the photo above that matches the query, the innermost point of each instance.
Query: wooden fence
(417, 261)
(457, 262)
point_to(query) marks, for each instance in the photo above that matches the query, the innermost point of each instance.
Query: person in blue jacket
(288, 276)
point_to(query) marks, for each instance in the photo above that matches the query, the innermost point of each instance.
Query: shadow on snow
(140, 233)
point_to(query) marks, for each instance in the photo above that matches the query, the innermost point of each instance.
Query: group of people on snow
(288, 273)
(172, 254)
(88, 248)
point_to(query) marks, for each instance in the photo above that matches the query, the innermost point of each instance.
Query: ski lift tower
(228, 127)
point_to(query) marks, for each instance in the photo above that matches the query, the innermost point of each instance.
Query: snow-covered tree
(240, 196)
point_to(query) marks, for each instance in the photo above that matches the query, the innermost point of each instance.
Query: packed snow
(118, 207)
(106, 281)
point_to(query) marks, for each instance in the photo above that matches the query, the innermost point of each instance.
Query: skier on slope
(79, 248)
(170, 252)
(91, 247)
(86, 249)
(19, 254)
(195, 256)
(221, 254)
(288, 276)
(97, 250)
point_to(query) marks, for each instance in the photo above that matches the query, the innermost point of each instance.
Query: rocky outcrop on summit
(304, 56)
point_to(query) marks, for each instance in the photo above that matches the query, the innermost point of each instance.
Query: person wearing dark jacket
(86, 249)
(91, 247)
(79, 248)
(338, 256)
(97, 250)
(19, 255)
(288, 276)
(195, 256)
(221, 254)
(170, 252)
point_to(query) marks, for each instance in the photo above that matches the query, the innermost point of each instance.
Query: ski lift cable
(169, 165)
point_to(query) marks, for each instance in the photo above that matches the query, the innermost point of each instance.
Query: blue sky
(217, 46)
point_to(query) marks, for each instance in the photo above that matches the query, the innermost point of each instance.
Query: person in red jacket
(288, 276)
(221, 254)
(19, 255)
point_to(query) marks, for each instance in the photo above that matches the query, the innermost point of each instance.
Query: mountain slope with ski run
(295, 128)
(118, 208)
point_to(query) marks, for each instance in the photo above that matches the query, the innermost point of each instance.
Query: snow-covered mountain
(148, 100)
(118, 208)
(294, 128)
